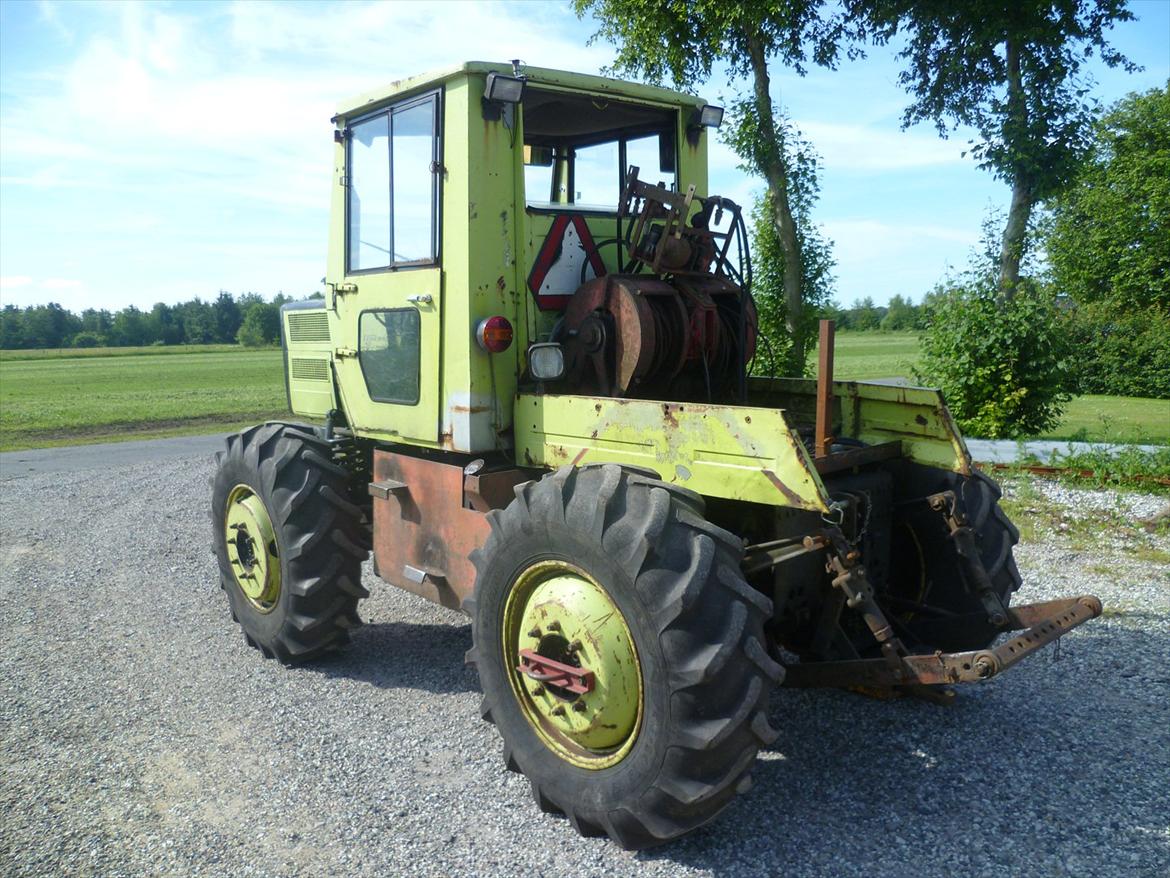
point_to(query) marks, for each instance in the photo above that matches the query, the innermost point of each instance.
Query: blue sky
(155, 152)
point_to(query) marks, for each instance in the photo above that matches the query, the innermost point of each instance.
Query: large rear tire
(924, 537)
(289, 541)
(652, 595)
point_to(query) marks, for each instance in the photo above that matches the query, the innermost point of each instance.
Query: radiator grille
(312, 326)
(308, 369)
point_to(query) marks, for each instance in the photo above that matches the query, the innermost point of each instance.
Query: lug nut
(575, 646)
(538, 690)
(554, 625)
(559, 710)
(579, 706)
(535, 632)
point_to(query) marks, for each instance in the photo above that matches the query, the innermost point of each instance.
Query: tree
(261, 326)
(900, 314)
(227, 317)
(129, 328)
(683, 39)
(11, 328)
(247, 300)
(97, 323)
(48, 326)
(164, 325)
(787, 341)
(1004, 365)
(1107, 241)
(1011, 70)
(198, 320)
(865, 314)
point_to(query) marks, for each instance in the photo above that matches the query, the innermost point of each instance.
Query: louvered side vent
(308, 369)
(310, 326)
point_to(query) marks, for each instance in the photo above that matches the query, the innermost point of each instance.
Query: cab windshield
(577, 148)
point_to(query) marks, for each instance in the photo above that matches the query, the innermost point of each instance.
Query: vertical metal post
(824, 438)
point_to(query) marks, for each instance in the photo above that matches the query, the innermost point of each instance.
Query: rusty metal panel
(423, 535)
(824, 433)
(1047, 622)
(733, 452)
(877, 412)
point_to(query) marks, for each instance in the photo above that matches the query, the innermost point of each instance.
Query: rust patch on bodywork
(789, 495)
(428, 520)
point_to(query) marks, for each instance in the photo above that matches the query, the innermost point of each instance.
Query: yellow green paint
(877, 413)
(557, 609)
(251, 548)
(734, 452)
(488, 240)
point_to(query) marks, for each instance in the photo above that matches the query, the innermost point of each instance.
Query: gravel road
(139, 736)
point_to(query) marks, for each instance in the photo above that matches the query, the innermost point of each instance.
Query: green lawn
(867, 355)
(1115, 419)
(105, 398)
(109, 394)
(143, 351)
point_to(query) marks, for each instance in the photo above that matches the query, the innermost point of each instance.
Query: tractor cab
(468, 205)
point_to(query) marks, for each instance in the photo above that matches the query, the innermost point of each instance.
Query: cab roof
(536, 75)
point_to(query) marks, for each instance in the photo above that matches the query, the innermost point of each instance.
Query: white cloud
(50, 14)
(859, 240)
(880, 259)
(14, 281)
(847, 146)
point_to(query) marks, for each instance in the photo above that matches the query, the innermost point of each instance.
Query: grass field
(1123, 419)
(867, 355)
(53, 401)
(144, 351)
(106, 394)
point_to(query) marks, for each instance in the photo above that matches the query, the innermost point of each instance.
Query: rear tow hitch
(1041, 624)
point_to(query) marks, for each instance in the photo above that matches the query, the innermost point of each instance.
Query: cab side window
(393, 187)
(389, 349)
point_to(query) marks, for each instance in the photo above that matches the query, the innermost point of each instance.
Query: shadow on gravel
(402, 655)
(1059, 766)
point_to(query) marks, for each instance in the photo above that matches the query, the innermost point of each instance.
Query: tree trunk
(776, 175)
(1014, 233)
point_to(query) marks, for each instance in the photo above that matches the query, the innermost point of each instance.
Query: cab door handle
(421, 299)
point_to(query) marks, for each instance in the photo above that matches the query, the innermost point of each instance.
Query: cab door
(389, 307)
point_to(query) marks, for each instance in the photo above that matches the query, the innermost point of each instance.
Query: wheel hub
(251, 548)
(576, 675)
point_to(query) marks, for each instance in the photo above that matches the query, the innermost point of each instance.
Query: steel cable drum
(612, 330)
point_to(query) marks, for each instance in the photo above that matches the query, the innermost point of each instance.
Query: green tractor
(530, 396)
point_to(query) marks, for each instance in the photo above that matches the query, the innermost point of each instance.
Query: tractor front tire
(289, 541)
(620, 575)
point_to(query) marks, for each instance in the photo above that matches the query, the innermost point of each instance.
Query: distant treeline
(250, 320)
(901, 313)
(247, 319)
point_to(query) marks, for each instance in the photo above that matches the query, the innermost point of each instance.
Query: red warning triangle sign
(556, 273)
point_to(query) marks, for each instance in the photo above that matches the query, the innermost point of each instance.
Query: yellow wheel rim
(251, 548)
(561, 613)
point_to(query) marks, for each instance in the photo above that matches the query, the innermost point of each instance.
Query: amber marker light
(494, 334)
